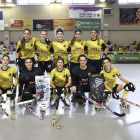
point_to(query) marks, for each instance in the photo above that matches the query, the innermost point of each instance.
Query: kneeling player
(6, 80)
(27, 81)
(60, 79)
(80, 78)
(110, 82)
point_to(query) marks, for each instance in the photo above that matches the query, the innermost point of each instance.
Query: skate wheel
(52, 105)
(98, 109)
(121, 105)
(68, 105)
(127, 107)
(81, 104)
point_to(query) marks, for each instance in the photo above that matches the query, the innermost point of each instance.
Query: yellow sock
(53, 95)
(96, 106)
(125, 93)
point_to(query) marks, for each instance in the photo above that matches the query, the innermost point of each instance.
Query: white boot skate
(53, 100)
(12, 103)
(125, 104)
(67, 100)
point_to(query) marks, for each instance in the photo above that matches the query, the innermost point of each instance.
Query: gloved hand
(103, 56)
(115, 95)
(13, 89)
(17, 62)
(106, 94)
(48, 41)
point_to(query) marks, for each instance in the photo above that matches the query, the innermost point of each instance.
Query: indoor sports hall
(117, 24)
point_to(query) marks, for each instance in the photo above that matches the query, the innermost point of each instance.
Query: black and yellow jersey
(110, 77)
(43, 51)
(6, 77)
(28, 51)
(60, 49)
(94, 48)
(60, 79)
(76, 50)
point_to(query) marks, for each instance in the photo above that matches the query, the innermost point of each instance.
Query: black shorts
(96, 63)
(4, 90)
(115, 88)
(45, 65)
(22, 63)
(65, 65)
(73, 65)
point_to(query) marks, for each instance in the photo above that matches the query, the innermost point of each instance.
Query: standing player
(60, 47)
(94, 47)
(80, 75)
(27, 81)
(110, 82)
(25, 49)
(44, 56)
(60, 79)
(77, 48)
(6, 80)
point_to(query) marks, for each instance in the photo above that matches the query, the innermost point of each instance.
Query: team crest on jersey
(27, 78)
(63, 76)
(64, 46)
(89, 74)
(31, 45)
(113, 75)
(81, 43)
(79, 74)
(9, 74)
(47, 47)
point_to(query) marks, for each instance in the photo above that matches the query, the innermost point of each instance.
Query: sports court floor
(78, 123)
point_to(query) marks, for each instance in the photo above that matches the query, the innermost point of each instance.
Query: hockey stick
(38, 117)
(94, 102)
(129, 102)
(54, 118)
(20, 103)
(13, 117)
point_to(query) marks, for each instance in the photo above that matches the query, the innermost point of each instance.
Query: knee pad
(27, 94)
(129, 87)
(10, 94)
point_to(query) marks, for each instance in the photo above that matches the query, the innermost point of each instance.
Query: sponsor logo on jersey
(89, 74)
(27, 78)
(9, 74)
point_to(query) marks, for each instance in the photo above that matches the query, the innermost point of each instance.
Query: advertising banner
(130, 16)
(84, 12)
(66, 24)
(21, 23)
(1, 25)
(42, 25)
(87, 24)
(1, 15)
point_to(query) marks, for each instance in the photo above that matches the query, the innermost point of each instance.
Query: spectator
(1, 46)
(131, 48)
(109, 45)
(13, 46)
(135, 44)
(120, 49)
(114, 48)
(4, 50)
(9, 49)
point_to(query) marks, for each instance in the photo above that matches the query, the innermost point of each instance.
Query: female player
(94, 47)
(60, 47)
(110, 82)
(60, 79)
(44, 56)
(7, 74)
(25, 49)
(77, 48)
(27, 81)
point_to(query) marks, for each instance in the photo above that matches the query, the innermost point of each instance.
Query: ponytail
(23, 42)
(73, 41)
(98, 40)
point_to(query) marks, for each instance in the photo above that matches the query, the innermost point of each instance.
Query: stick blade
(53, 124)
(13, 117)
(119, 115)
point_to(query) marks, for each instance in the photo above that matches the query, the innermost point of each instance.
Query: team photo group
(89, 70)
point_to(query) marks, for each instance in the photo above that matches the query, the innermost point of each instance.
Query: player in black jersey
(27, 81)
(7, 74)
(80, 75)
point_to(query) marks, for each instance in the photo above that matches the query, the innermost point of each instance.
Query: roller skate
(67, 100)
(106, 102)
(124, 104)
(12, 103)
(98, 108)
(53, 99)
